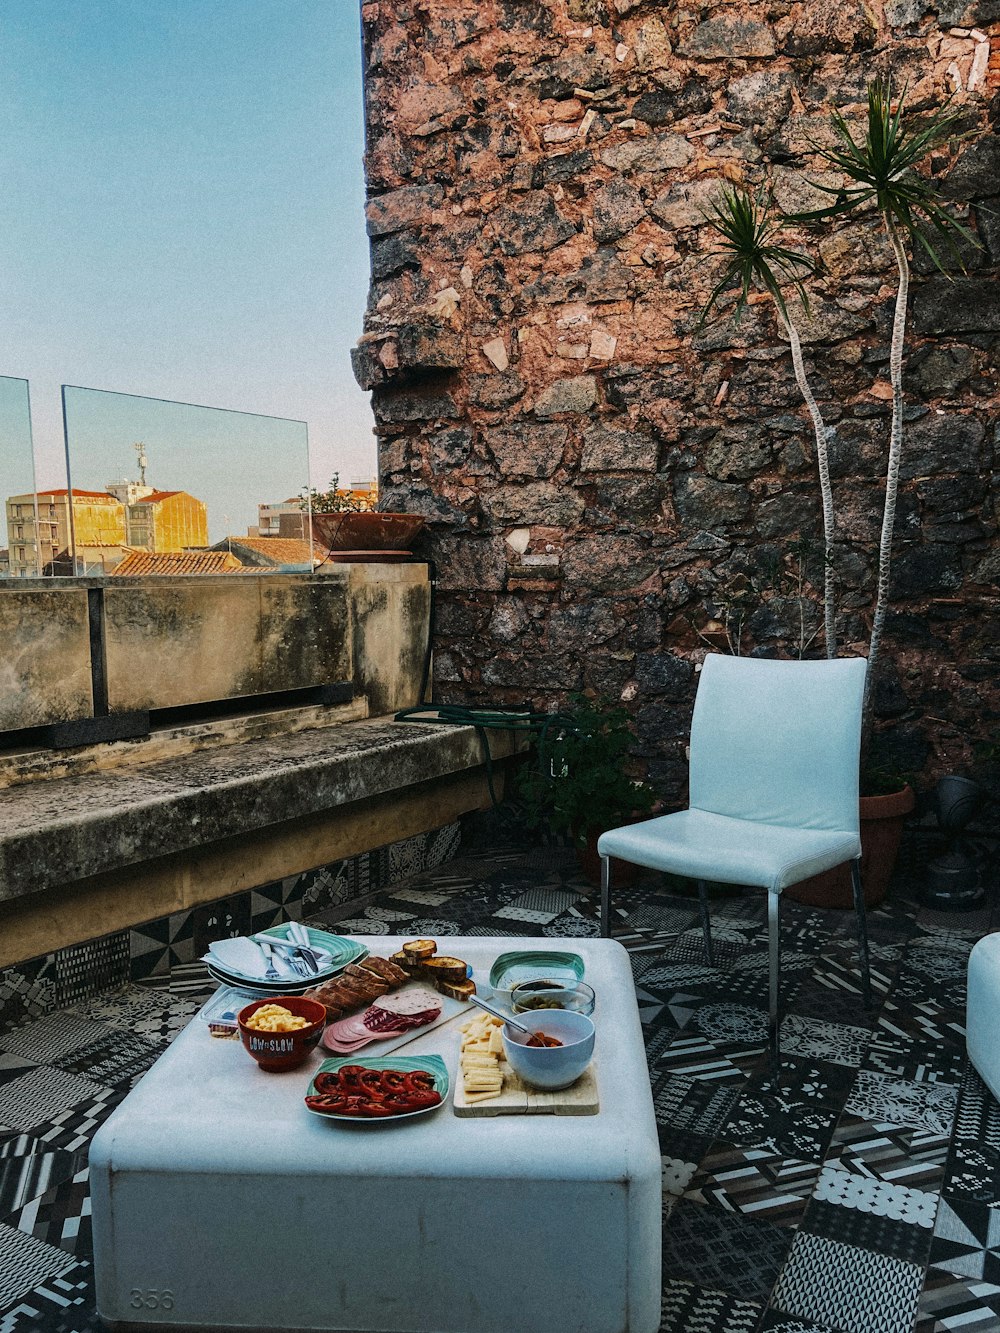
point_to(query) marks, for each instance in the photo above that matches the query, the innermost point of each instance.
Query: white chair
(775, 749)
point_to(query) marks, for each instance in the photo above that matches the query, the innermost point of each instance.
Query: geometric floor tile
(775, 1124)
(928, 1106)
(860, 1194)
(755, 1182)
(50, 1037)
(25, 1262)
(724, 1251)
(60, 1216)
(154, 1014)
(697, 1058)
(954, 1305)
(693, 1105)
(897, 1154)
(74, 1127)
(973, 1172)
(800, 1080)
(775, 1321)
(685, 1308)
(40, 1095)
(115, 1057)
(967, 1240)
(62, 1304)
(872, 1215)
(978, 1117)
(26, 1177)
(847, 1288)
(866, 1231)
(815, 1039)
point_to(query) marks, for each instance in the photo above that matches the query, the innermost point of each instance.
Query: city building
(97, 530)
(269, 518)
(167, 521)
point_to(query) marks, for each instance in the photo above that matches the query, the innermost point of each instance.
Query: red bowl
(278, 1051)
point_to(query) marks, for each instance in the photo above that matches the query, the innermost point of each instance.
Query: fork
(271, 973)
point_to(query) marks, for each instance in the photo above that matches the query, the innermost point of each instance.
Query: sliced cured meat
(412, 1000)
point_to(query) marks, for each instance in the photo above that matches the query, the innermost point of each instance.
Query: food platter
(433, 1065)
(382, 1045)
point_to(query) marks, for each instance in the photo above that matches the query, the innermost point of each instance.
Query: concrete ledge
(55, 834)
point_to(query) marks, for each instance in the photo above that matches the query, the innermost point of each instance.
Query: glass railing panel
(162, 487)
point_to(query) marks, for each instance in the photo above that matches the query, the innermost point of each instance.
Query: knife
(307, 955)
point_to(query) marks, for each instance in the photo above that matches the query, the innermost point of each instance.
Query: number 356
(151, 1300)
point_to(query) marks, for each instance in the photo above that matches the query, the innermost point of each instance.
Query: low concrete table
(220, 1202)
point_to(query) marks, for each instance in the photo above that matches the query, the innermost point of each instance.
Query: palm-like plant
(755, 259)
(882, 173)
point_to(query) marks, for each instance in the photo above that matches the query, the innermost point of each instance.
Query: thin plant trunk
(892, 467)
(823, 464)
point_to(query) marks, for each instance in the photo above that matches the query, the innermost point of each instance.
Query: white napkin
(243, 957)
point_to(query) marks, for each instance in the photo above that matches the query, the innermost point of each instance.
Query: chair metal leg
(706, 925)
(606, 896)
(859, 908)
(774, 962)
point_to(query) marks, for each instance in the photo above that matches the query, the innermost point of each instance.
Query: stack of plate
(341, 951)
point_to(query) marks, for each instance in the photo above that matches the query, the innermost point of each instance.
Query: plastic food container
(220, 1012)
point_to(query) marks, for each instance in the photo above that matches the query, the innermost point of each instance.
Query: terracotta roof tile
(282, 550)
(177, 562)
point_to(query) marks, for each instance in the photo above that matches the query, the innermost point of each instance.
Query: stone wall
(611, 492)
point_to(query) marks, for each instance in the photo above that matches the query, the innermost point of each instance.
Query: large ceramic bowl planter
(366, 530)
(882, 819)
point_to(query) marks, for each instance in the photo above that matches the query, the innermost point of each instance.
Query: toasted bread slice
(445, 968)
(404, 963)
(457, 990)
(418, 951)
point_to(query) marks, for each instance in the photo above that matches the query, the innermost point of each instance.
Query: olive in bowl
(531, 996)
(550, 1067)
(281, 1032)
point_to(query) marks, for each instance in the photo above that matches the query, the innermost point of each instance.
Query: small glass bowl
(538, 995)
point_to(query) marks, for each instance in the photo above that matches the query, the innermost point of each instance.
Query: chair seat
(702, 845)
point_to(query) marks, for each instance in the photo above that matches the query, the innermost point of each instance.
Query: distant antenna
(140, 449)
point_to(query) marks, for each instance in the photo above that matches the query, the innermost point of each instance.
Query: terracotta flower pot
(882, 819)
(367, 530)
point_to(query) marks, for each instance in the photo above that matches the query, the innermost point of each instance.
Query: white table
(219, 1202)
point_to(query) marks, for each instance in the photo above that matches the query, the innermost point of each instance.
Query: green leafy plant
(749, 231)
(333, 500)
(580, 784)
(882, 171)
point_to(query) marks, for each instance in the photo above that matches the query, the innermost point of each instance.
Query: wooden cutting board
(518, 1099)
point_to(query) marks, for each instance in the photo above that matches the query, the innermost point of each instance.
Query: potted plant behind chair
(580, 784)
(882, 174)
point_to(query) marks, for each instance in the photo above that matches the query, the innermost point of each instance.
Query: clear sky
(182, 214)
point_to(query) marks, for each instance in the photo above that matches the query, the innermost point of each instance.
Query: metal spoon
(498, 1013)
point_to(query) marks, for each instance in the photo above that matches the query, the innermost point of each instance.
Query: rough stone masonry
(611, 492)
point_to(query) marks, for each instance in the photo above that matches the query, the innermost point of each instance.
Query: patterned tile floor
(860, 1195)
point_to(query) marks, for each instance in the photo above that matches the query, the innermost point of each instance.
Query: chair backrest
(779, 742)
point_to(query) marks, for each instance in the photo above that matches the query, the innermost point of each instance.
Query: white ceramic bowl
(551, 1067)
